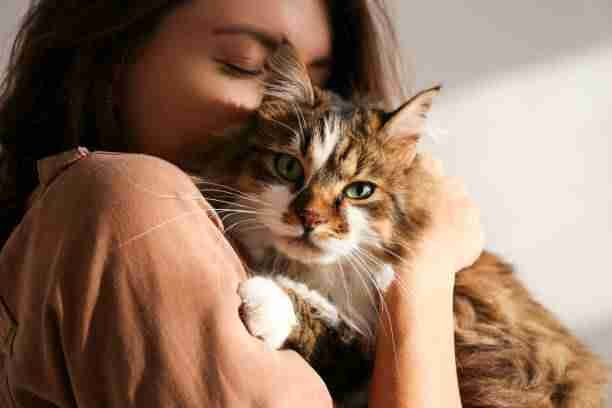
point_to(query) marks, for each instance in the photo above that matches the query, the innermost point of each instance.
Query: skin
(186, 86)
(421, 309)
(190, 83)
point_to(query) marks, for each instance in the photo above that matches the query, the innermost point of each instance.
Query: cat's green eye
(360, 190)
(288, 167)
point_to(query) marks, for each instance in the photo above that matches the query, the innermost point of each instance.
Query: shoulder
(121, 213)
(126, 174)
(127, 193)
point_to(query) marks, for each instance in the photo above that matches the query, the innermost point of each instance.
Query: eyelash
(238, 71)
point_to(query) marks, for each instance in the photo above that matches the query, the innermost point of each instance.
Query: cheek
(275, 201)
(363, 229)
(211, 102)
(383, 228)
(174, 116)
(358, 223)
(230, 102)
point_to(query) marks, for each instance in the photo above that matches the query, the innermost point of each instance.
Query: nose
(311, 218)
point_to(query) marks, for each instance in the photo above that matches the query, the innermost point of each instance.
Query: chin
(304, 251)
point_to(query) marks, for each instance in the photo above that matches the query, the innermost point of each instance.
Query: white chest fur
(355, 291)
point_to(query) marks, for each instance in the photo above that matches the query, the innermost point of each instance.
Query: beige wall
(527, 113)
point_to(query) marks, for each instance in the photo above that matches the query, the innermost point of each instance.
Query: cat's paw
(267, 311)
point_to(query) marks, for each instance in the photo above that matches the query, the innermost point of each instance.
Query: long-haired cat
(324, 197)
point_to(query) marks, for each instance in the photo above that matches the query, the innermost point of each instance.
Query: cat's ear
(287, 82)
(404, 126)
(409, 119)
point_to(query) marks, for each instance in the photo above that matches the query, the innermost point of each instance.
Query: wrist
(417, 304)
(415, 355)
(426, 277)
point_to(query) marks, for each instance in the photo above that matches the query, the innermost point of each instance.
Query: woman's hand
(415, 351)
(454, 239)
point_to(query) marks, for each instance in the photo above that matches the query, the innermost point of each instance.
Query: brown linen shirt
(118, 289)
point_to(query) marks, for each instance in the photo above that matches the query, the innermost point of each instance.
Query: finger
(434, 166)
(455, 188)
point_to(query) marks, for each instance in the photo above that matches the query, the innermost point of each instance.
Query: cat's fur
(323, 260)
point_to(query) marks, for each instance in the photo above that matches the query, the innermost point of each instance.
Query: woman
(118, 285)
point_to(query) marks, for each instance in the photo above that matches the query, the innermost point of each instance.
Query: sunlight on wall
(534, 145)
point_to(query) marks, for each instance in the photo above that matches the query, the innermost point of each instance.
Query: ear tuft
(409, 119)
(404, 126)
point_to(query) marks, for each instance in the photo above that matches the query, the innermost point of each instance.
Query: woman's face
(199, 74)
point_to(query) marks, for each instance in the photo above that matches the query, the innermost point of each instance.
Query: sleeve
(144, 306)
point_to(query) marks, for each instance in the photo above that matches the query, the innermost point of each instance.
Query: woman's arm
(415, 353)
(127, 298)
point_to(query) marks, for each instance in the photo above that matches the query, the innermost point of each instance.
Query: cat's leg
(287, 314)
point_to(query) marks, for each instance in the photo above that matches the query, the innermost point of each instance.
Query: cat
(324, 197)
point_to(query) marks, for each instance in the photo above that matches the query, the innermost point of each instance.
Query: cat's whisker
(224, 214)
(251, 225)
(384, 310)
(243, 230)
(243, 196)
(358, 254)
(396, 278)
(239, 223)
(381, 247)
(227, 216)
(241, 211)
(218, 185)
(218, 200)
(352, 318)
(382, 304)
(236, 211)
(377, 262)
(242, 219)
(229, 190)
(358, 272)
(344, 283)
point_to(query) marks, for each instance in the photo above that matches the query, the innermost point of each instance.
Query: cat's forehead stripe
(324, 141)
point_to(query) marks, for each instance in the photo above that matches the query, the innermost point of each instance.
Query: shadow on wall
(460, 41)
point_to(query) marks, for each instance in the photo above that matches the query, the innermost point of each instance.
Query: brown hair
(56, 91)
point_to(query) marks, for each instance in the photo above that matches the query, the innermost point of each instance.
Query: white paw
(266, 311)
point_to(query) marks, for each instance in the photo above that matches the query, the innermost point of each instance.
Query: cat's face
(324, 190)
(325, 180)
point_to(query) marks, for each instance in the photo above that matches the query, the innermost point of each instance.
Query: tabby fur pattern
(295, 194)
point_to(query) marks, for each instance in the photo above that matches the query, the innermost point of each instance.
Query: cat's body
(325, 199)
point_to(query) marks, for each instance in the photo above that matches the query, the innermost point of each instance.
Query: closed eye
(238, 71)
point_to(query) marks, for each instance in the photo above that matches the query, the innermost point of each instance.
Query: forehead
(356, 149)
(305, 23)
(335, 143)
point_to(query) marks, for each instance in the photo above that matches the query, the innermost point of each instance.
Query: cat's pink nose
(311, 218)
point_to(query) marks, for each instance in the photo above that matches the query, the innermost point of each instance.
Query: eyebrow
(267, 39)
